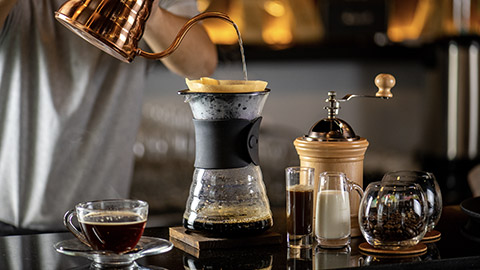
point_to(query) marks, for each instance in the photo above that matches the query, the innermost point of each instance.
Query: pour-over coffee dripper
(227, 195)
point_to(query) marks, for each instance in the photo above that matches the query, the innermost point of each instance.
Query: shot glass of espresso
(109, 225)
(300, 186)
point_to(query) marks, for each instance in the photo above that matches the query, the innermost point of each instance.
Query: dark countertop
(455, 250)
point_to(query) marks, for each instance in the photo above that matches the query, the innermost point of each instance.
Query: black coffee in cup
(109, 225)
(113, 231)
(300, 210)
(300, 186)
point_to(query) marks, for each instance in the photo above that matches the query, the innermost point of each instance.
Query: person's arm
(5, 7)
(195, 57)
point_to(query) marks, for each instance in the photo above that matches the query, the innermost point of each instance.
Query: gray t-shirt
(69, 114)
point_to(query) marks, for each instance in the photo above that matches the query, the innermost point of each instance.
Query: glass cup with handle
(109, 225)
(332, 219)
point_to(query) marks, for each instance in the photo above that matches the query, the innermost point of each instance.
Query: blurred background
(305, 48)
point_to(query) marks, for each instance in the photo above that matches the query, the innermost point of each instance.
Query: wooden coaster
(199, 241)
(432, 236)
(416, 250)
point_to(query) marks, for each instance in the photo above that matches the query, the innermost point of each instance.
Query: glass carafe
(227, 195)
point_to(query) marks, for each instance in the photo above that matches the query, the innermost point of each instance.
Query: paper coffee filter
(210, 85)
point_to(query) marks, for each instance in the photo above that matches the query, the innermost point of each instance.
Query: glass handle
(67, 221)
(357, 188)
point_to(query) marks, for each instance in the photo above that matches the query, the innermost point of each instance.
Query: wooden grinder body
(339, 156)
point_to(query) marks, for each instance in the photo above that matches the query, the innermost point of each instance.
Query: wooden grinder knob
(384, 82)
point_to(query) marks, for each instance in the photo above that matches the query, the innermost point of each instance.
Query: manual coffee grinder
(332, 145)
(227, 196)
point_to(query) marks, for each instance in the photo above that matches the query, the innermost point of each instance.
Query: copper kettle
(116, 26)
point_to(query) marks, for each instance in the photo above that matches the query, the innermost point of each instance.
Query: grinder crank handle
(384, 82)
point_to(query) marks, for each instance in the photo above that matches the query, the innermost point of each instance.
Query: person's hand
(155, 5)
(195, 57)
(165, 4)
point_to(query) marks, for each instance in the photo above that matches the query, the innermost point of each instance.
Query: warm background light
(408, 19)
(277, 27)
(277, 23)
(285, 23)
(275, 8)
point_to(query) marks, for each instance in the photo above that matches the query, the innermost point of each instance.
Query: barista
(69, 113)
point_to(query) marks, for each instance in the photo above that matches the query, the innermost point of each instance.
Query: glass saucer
(147, 246)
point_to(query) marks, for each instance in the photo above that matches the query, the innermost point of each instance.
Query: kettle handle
(183, 31)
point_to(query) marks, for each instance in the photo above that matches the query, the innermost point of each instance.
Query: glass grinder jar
(227, 196)
(332, 145)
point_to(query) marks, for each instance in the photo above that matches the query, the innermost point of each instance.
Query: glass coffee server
(227, 195)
